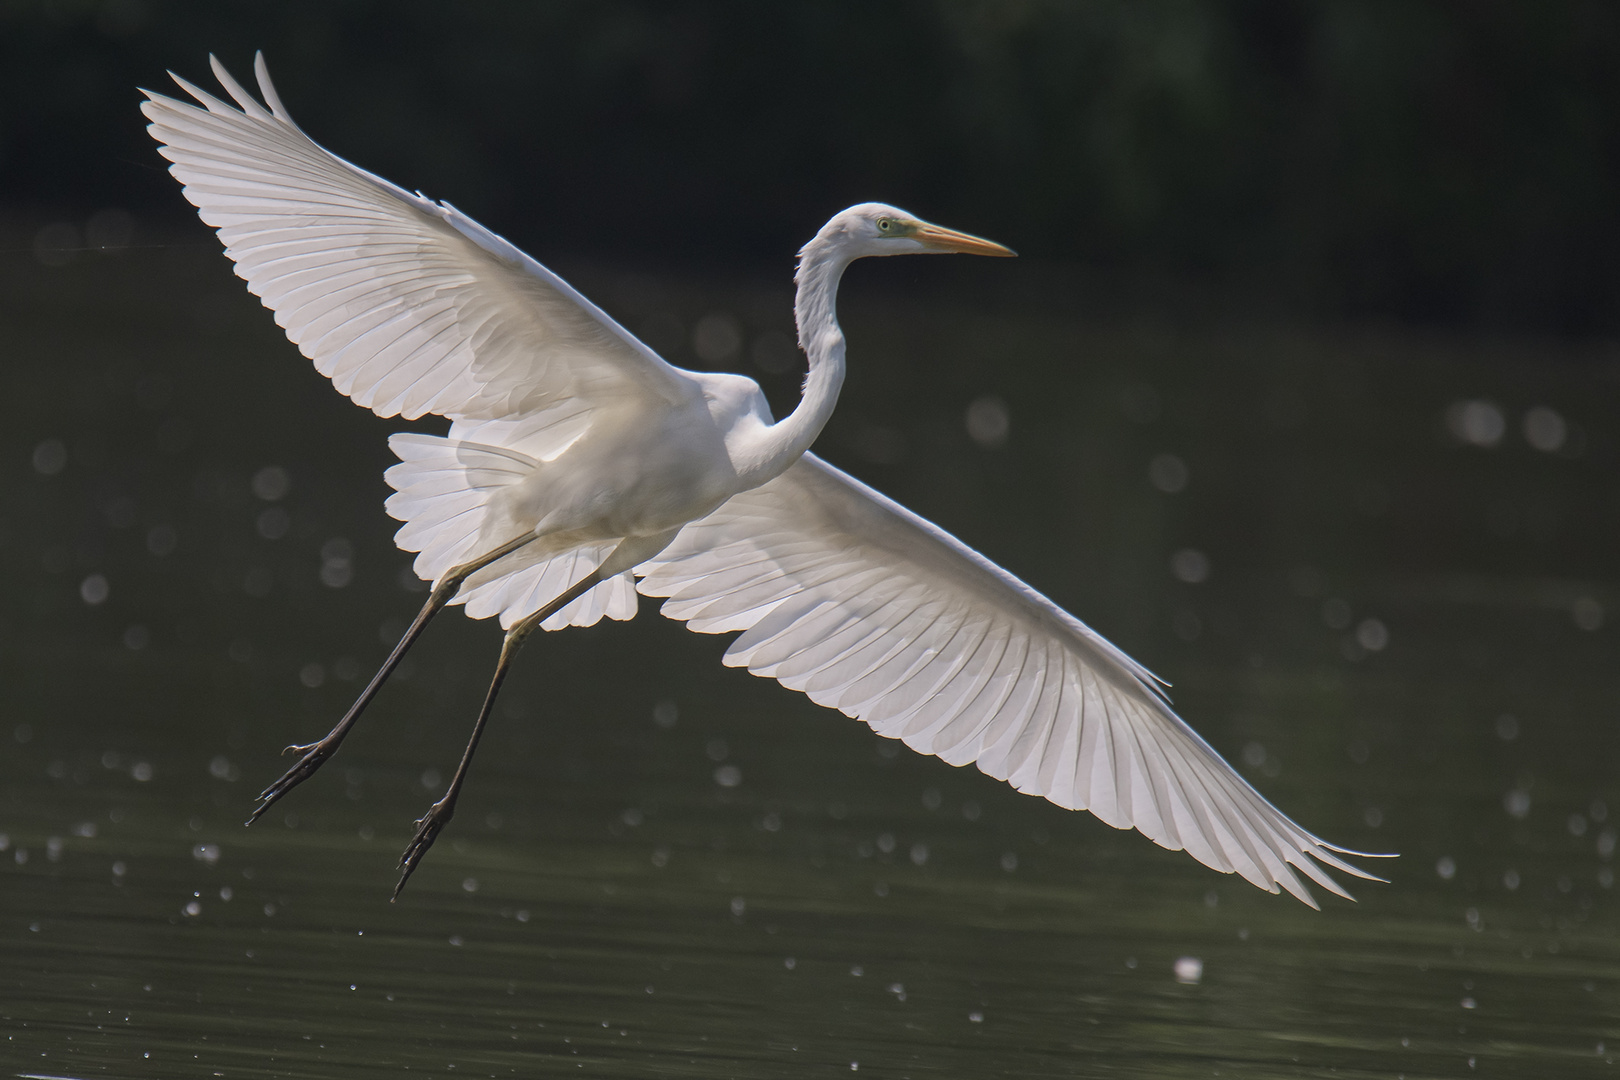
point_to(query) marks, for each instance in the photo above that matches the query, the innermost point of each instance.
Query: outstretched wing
(407, 305)
(869, 609)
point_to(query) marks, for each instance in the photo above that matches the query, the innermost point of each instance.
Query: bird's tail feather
(443, 490)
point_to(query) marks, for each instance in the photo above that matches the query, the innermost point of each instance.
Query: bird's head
(880, 229)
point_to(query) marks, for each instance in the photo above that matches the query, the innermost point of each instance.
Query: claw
(314, 754)
(427, 831)
(296, 748)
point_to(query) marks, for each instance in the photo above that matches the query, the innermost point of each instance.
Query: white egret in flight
(580, 467)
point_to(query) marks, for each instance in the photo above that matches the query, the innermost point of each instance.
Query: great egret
(578, 462)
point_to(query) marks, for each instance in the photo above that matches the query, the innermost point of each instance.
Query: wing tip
(1301, 892)
(1328, 853)
(1359, 854)
(271, 109)
(267, 89)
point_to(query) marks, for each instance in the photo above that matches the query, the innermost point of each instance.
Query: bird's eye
(884, 224)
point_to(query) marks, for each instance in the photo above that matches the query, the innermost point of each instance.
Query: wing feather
(827, 669)
(845, 608)
(954, 698)
(408, 305)
(940, 664)
(863, 622)
(963, 736)
(870, 609)
(874, 691)
(990, 745)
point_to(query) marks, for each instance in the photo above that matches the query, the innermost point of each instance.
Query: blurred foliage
(1449, 163)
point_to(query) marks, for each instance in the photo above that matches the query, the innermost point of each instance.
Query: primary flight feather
(580, 467)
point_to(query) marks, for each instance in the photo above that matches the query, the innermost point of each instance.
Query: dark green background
(1449, 163)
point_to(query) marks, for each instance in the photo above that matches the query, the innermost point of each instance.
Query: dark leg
(316, 753)
(439, 814)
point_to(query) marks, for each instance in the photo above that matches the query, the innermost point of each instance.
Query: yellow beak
(939, 238)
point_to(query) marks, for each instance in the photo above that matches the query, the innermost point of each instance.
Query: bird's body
(579, 468)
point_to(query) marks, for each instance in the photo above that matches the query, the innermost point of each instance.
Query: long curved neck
(821, 265)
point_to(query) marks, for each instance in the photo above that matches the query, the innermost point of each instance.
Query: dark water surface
(662, 867)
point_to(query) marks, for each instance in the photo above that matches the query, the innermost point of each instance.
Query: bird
(580, 468)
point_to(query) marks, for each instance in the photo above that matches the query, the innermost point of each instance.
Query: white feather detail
(443, 488)
(867, 608)
(407, 305)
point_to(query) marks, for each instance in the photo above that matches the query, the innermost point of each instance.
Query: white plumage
(869, 609)
(443, 486)
(577, 460)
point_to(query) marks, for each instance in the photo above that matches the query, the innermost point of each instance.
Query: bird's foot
(427, 831)
(311, 757)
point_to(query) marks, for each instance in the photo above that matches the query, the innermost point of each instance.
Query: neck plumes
(821, 265)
